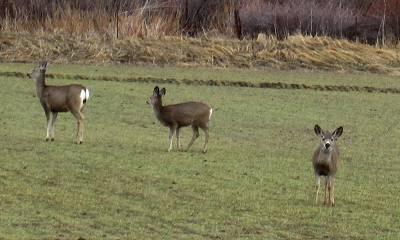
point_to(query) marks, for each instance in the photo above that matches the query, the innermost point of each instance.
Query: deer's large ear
(317, 130)
(156, 90)
(163, 91)
(338, 132)
(43, 65)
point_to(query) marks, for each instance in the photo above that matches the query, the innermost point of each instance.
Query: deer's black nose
(327, 145)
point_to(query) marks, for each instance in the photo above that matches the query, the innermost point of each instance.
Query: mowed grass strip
(211, 82)
(252, 75)
(256, 181)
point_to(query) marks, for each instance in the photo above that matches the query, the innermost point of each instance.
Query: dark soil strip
(272, 85)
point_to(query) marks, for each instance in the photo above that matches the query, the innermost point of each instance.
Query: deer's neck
(158, 111)
(325, 157)
(40, 84)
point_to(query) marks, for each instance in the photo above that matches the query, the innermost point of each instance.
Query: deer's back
(62, 98)
(185, 114)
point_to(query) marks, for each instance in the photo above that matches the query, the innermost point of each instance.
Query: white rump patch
(82, 96)
(211, 111)
(87, 94)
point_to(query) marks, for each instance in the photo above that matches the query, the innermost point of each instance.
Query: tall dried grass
(141, 18)
(295, 52)
(132, 20)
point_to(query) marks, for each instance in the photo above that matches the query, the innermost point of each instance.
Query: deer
(54, 99)
(326, 162)
(194, 114)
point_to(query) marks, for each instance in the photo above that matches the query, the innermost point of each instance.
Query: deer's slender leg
(333, 188)
(194, 137)
(330, 190)
(171, 136)
(326, 189)
(49, 116)
(82, 129)
(54, 118)
(79, 134)
(205, 129)
(317, 185)
(178, 140)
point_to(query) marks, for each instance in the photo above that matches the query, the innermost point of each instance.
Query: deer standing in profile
(194, 114)
(55, 99)
(326, 161)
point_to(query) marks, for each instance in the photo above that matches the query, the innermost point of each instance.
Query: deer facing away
(55, 99)
(194, 114)
(326, 161)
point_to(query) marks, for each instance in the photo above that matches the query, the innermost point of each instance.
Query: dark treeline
(349, 19)
(352, 20)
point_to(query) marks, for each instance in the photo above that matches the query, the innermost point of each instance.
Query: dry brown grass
(295, 52)
(144, 19)
(97, 22)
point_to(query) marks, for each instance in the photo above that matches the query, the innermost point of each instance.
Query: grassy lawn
(256, 181)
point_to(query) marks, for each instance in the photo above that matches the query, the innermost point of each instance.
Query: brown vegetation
(159, 32)
(294, 52)
(156, 18)
(141, 18)
(338, 19)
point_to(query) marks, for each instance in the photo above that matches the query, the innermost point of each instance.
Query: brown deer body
(55, 99)
(194, 114)
(326, 161)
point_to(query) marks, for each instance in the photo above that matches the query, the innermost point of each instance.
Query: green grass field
(256, 181)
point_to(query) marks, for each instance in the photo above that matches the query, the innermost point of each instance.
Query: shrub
(328, 18)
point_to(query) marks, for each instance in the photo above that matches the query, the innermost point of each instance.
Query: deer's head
(156, 98)
(38, 71)
(327, 139)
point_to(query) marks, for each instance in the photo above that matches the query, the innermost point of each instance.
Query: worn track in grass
(272, 85)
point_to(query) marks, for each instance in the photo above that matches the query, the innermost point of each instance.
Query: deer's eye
(323, 139)
(332, 139)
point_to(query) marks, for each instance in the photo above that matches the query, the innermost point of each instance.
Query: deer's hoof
(52, 139)
(47, 139)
